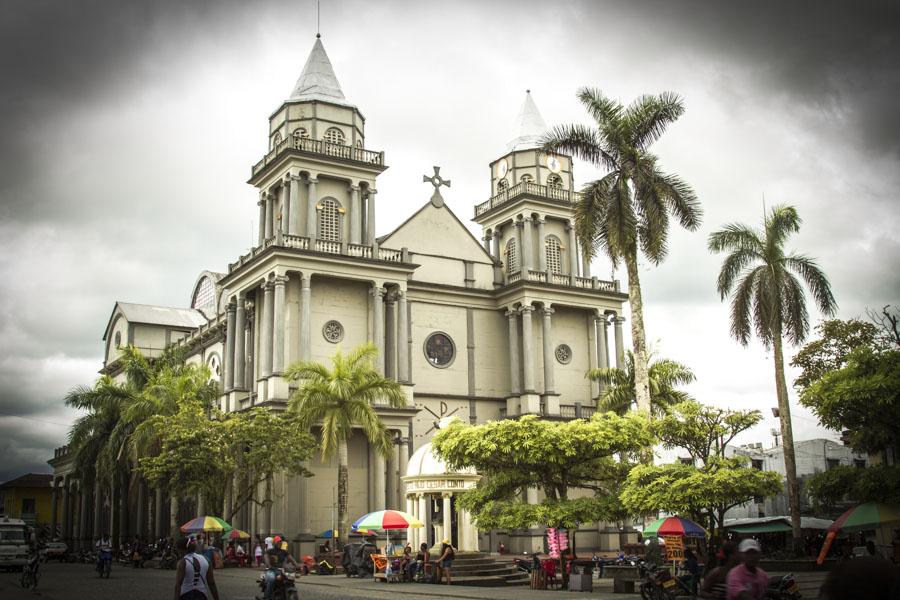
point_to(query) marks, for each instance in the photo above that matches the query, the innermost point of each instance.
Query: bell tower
(528, 221)
(317, 179)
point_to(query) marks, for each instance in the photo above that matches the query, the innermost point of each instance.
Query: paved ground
(79, 581)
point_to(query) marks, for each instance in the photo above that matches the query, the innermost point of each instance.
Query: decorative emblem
(439, 417)
(333, 331)
(437, 181)
(563, 354)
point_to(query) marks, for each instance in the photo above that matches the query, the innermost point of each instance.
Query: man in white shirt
(194, 579)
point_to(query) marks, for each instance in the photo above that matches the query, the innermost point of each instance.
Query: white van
(13, 543)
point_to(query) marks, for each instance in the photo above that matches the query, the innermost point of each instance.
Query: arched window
(204, 293)
(553, 248)
(329, 220)
(502, 186)
(554, 181)
(526, 178)
(333, 135)
(276, 139)
(300, 133)
(512, 256)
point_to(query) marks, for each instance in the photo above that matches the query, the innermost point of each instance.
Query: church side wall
(491, 354)
(344, 301)
(570, 327)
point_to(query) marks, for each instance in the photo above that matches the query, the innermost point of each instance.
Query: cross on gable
(437, 181)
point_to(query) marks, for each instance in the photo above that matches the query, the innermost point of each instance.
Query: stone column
(448, 518)
(620, 343)
(83, 499)
(531, 496)
(312, 199)
(527, 246)
(423, 516)
(305, 301)
(602, 344)
(379, 487)
(66, 515)
(265, 340)
(240, 351)
(140, 512)
(573, 252)
(98, 507)
(514, 388)
(410, 532)
(370, 219)
(262, 218)
(403, 460)
(403, 374)
(269, 216)
(294, 204)
(390, 343)
(228, 360)
(527, 356)
(393, 481)
(173, 516)
(585, 262)
(378, 329)
(278, 326)
(549, 380)
(158, 518)
(354, 214)
(542, 248)
(54, 499)
(284, 222)
(487, 242)
(592, 352)
(496, 245)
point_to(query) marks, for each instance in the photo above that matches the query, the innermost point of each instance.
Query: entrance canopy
(774, 524)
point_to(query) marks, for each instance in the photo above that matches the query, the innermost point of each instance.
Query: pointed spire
(318, 81)
(530, 126)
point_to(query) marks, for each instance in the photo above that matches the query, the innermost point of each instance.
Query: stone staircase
(480, 569)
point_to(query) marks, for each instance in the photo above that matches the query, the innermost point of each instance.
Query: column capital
(292, 177)
(312, 180)
(353, 188)
(618, 320)
(511, 312)
(371, 191)
(279, 280)
(377, 292)
(526, 308)
(527, 219)
(547, 311)
(231, 306)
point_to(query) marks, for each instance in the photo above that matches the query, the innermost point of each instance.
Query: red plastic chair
(549, 568)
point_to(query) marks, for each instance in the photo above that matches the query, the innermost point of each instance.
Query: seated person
(420, 566)
(405, 562)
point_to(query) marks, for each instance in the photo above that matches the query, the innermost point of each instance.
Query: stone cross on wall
(437, 181)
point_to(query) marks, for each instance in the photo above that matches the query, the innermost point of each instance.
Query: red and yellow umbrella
(237, 534)
(205, 524)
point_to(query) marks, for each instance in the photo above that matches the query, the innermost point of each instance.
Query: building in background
(29, 497)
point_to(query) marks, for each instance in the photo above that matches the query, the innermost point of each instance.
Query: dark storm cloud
(837, 57)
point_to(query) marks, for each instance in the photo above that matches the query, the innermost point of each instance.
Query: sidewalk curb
(428, 592)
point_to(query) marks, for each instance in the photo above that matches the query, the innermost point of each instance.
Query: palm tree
(664, 374)
(629, 208)
(339, 399)
(768, 298)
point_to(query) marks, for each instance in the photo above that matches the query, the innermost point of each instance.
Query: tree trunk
(787, 436)
(638, 337)
(173, 516)
(343, 484)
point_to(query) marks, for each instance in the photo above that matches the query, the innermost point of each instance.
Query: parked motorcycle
(783, 588)
(658, 583)
(284, 586)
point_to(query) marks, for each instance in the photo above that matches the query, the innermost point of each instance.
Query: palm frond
(815, 279)
(742, 305)
(648, 117)
(736, 236)
(794, 316)
(733, 265)
(576, 140)
(781, 222)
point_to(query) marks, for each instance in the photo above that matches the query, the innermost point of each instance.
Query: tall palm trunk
(787, 436)
(639, 338)
(343, 481)
(173, 516)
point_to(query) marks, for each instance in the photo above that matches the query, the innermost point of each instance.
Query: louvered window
(554, 181)
(329, 220)
(502, 185)
(333, 135)
(512, 256)
(526, 178)
(553, 248)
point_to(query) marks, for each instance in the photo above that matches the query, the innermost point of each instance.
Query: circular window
(333, 331)
(118, 339)
(439, 350)
(563, 354)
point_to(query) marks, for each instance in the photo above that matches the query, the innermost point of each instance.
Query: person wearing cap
(747, 581)
(445, 560)
(276, 557)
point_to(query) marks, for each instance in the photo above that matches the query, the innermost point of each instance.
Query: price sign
(674, 548)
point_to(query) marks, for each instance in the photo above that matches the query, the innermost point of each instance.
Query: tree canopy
(843, 483)
(558, 458)
(713, 483)
(829, 352)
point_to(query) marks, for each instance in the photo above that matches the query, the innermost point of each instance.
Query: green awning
(776, 527)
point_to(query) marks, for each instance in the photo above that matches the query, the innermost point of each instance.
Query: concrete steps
(480, 569)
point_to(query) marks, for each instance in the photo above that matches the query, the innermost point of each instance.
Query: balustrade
(532, 189)
(322, 147)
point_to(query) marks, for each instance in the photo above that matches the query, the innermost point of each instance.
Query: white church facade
(479, 329)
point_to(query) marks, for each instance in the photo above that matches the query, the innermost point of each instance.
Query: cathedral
(481, 330)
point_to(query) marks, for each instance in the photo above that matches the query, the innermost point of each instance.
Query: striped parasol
(205, 524)
(237, 534)
(869, 515)
(674, 526)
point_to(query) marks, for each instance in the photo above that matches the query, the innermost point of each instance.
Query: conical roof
(318, 81)
(530, 126)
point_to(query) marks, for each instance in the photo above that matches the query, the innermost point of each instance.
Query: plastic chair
(549, 569)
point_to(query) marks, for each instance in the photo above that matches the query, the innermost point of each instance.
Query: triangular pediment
(436, 230)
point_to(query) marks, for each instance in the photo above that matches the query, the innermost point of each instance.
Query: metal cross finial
(437, 181)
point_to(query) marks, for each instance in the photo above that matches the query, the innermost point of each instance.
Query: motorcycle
(783, 588)
(659, 584)
(104, 563)
(31, 572)
(167, 559)
(284, 586)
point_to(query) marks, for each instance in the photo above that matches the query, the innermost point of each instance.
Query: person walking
(194, 579)
(747, 581)
(445, 560)
(258, 554)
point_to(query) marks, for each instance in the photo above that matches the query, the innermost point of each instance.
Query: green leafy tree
(766, 295)
(829, 352)
(841, 484)
(862, 397)
(339, 399)
(630, 208)
(573, 463)
(713, 483)
(665, 375)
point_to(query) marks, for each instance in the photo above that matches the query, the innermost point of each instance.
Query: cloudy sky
(127, 131)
